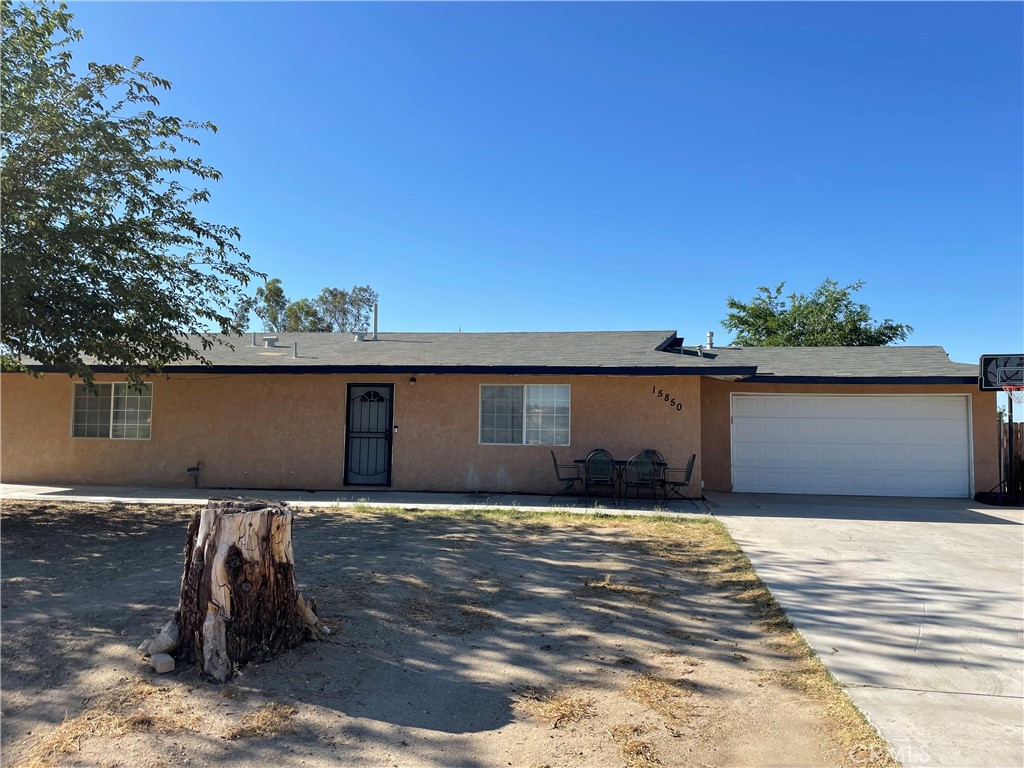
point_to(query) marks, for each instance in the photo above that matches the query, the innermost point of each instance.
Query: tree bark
(238, 601)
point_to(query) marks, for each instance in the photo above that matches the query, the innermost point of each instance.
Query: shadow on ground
(441, 625)
(911, 510)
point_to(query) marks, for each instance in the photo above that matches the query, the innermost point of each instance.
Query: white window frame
(110, 424)
(522, 440)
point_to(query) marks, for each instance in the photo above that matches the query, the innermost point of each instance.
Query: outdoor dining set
(600, 473)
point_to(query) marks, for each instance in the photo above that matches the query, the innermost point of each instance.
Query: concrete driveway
(915, 605)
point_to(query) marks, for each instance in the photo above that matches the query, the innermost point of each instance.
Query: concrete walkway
(378, 499)
(915, 605)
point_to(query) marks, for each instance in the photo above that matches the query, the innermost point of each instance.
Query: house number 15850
(661, 394)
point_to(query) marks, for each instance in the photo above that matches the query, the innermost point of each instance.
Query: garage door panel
(808, 455)
(940, 458)
(746, 406)
(872, 431)
(914, 445)
(746, 429)
(862, 457)
(847, 483)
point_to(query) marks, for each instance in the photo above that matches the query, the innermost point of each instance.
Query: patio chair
(569, 474)
(642, 472)
(675, 480)
(599, 472)
(659, 464)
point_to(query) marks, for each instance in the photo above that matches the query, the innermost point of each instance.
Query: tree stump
(238, 600)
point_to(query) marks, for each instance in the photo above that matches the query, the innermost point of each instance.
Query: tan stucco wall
(263, 431)
(715, 428)
(621, 414)
(288, 431)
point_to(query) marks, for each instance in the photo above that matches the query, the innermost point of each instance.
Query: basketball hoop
(1015, 393)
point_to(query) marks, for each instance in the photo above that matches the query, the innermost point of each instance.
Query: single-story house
(482, 411)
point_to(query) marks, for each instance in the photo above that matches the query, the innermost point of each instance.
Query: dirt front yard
(492, 639)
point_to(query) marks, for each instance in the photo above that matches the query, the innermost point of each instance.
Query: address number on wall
(666, 397)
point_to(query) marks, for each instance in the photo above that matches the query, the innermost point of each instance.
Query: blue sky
(576, 166)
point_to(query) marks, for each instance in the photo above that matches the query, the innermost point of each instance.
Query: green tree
(827, 318)
(335, 309)
(270, 305)
(104, 255)
(347, 310)
(240, 313)
(304, 315)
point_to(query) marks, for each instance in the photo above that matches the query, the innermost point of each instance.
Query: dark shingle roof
(599, 352)
(874, 362)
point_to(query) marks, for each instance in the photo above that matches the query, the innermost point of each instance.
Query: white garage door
(872, 445)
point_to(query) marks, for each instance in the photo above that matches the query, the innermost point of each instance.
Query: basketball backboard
(997, 371)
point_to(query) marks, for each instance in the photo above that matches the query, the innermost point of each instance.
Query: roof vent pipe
(295, 350)
(254, 338)
(711, 340)
(374, 321)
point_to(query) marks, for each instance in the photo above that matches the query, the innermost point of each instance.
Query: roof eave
(888, 379)
(534, 370)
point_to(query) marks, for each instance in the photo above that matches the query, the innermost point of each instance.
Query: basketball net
(1015, 393)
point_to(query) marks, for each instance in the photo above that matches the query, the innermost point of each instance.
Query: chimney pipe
(711, 340)
(374, 321)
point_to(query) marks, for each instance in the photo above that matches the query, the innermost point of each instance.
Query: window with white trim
(118, 411)
(530, 414)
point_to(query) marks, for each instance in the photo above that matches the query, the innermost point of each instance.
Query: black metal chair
(660, 465)
(599, 472)
(642, 472)
(568, 474)
(675, 480)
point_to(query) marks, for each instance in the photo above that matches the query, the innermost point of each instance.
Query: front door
(368, 434)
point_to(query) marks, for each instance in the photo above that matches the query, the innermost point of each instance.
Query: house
(482, 411)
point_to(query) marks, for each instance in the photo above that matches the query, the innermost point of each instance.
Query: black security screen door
(368, 434)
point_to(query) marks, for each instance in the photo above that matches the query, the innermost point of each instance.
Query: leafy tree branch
(104, 255)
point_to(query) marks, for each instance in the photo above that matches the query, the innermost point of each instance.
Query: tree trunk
(238, 598)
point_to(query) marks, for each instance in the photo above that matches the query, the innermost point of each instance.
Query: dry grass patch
(805, 678)
(554, 707)
(711, 555)
(697, 550)
(810, 678)
(266, 721)
(660, 694)
(638, 595)
(133, 705)
(635, 751)
(703, 549)
(469, 618)
(230, 691)
(457, 611)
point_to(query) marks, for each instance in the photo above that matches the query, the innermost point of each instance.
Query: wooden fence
(1017, 459)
